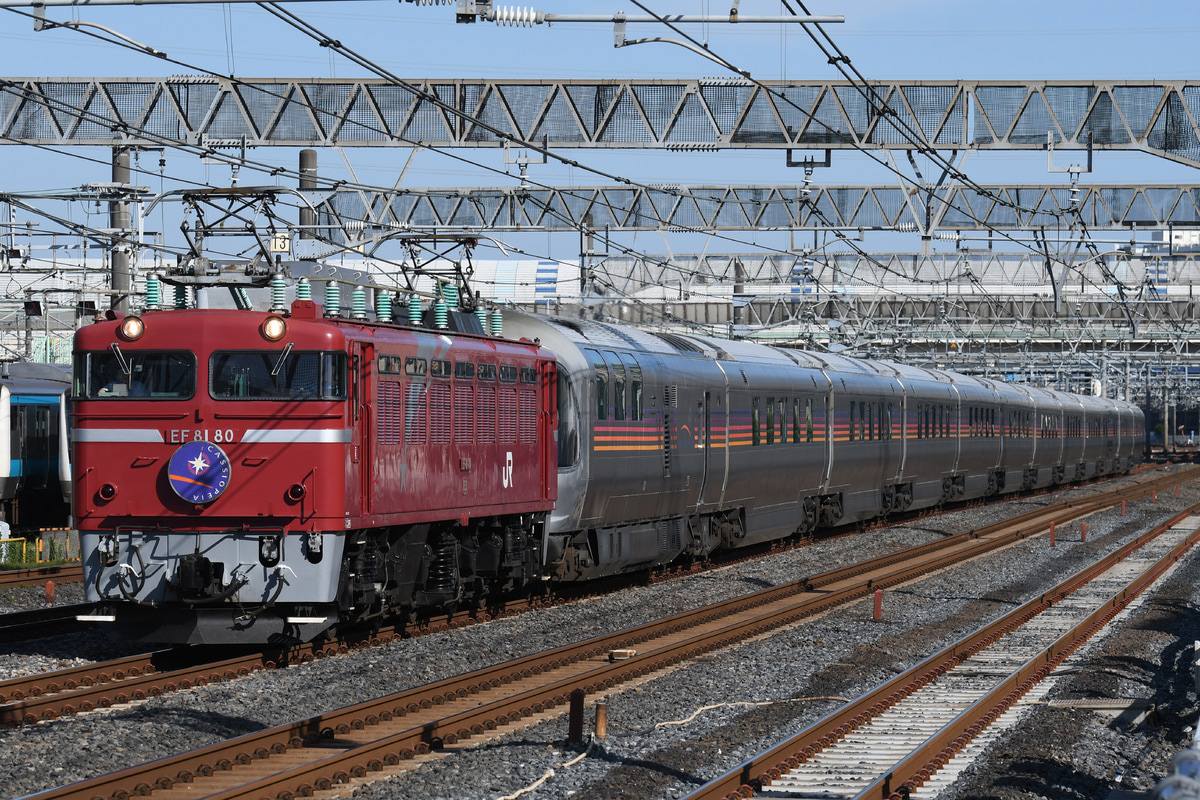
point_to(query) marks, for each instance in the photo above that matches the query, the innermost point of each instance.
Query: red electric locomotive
(256, 476)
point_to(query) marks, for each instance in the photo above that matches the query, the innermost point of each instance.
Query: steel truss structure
(1158, 117)
(756, 208)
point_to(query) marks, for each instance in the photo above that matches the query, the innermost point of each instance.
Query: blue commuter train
(35, 479)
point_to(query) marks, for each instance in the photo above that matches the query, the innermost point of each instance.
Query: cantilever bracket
(1073, 169)
(810, 162)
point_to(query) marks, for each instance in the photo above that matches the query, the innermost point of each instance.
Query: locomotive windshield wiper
(121, 361)
(282, 357)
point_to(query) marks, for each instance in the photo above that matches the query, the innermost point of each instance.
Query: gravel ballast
(793, 674)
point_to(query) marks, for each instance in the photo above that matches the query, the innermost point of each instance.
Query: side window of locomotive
(440, 368)
(416, 367)
(487, 372)
(618, 372)
(601, 383)
(137, 375)
(464, 370)
(277, 375)
(635, 386)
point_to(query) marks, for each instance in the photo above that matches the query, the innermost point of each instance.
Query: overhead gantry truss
(756, 208)
(1158, 117)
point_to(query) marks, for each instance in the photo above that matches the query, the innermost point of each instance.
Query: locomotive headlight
(268, 550)
(132, 328)
(274, 328)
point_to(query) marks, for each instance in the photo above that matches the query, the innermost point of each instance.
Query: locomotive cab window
(277, 375)
(136, 375)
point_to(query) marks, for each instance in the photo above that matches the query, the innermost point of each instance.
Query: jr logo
(506, 476)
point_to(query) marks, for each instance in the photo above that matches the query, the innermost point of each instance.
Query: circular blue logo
(199, 472)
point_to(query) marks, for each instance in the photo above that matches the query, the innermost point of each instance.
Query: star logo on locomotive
(199, 472)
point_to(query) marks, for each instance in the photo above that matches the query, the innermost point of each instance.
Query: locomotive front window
(136, 375)
(277, 375)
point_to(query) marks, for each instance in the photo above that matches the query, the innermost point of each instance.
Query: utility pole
(308, 180)
(118, 220)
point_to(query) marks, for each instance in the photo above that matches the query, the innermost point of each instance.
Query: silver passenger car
(675, 446)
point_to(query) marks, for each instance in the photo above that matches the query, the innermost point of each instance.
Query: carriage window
(154, 376)
(754, 422)
(808, 421)
(568, 422)
(270, 375)
(635, 386)
(618, 372)
(601, 383)
(770, 420)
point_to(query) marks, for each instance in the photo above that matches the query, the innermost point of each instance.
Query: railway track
(46, 696)
(60, 573)
(389, 734)
(897, 739)
(19, 626)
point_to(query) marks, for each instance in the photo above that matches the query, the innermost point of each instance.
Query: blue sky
(934, 39)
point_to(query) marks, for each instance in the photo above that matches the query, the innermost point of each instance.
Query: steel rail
(1029, 523)
(745, 780)
(21, 626)
(60, 573)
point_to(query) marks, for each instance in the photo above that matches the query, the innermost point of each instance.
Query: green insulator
(303, 289)
(450, 295)
(359, 303)
(333, 299)
(153, 296)
(181, 297)
(383, 307)
(414, 310)
(497, 323)
(278, 293)
(482, 313)
(242, 298)
(441, 316)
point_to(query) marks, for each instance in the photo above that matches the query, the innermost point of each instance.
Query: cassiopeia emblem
(199, 472)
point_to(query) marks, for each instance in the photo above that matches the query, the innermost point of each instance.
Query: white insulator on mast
(514, 15)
